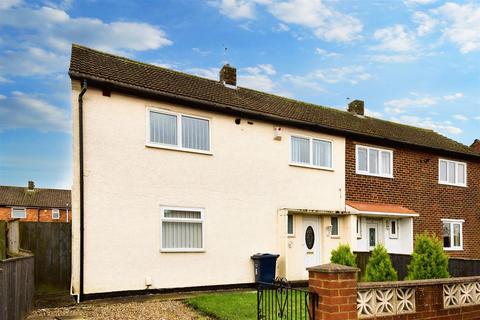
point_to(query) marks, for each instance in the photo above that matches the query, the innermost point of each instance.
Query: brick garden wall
(37, 215)
(415, 186)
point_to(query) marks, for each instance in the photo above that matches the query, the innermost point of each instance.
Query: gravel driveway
(123, 309)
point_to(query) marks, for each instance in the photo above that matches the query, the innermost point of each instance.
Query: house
(35, 204)
(178, 180)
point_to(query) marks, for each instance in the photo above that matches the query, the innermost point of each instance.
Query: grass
(239, 305)
(227, 306)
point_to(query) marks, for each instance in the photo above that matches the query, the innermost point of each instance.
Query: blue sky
(412, 61)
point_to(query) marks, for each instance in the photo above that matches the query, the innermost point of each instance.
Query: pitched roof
(143, 78)
(378, 207)
(44, 198)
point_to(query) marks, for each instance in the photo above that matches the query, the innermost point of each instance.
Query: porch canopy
(379, 209)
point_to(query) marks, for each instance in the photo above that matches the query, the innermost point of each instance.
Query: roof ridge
(17, 187)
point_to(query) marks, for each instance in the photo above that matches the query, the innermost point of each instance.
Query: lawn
(243, 305)
(227, 306)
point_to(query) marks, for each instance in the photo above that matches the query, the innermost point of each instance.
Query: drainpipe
(80, 133)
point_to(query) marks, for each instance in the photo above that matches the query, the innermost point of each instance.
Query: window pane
(456, 235)
(443, 171)
(183, 214)
(446, 235)
(55, 214)
(386, 163)
(163, 128)
(322, 153)
(300, 150)
(451, 172)
(19, 213)
(372, 237)
(177, 235)
(195, 133)
(362, 159)
(334, 221)
(373, 161)
(290, 224)
(393, 227)
(461, 173)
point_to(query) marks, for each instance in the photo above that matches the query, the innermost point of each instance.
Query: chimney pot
(357, 107)
(476, 145)
(228, 75)
(31, 185)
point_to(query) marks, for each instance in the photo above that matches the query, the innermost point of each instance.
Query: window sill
(335, 237)
(293, 164)
(453, 184)
(182, 250)
(161, 146)
(290, 236)
(374, 175)
(453, 249)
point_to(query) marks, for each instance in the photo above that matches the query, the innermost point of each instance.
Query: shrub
(429, 261)
(379, 266)
(343, 255)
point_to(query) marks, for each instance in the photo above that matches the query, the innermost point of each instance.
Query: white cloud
(236, 9)
(372, 113)
(426, 24)
(307, 82)
(325, 22)
(28, 111)
(454, 96)
(325, 53)
(460, 117)
(6, 4)
(396, 38)
(428, 123)
(281, 27)
(461, 24)
(261, 68)
(395, 58)
(32, 61)
(2, 97)
(418, 2)
(209, 73)
(398, 106)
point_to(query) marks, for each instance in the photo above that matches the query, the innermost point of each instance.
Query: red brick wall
(33, 214)
(415, 186)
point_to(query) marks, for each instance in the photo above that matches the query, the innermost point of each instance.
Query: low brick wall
(339, 294)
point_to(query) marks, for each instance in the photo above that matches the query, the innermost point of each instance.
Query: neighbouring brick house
(438, 183)
(35, 204)
(173, 171)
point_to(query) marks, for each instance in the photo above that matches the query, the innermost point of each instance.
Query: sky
(412, 61)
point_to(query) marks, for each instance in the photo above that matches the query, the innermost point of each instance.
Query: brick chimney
(357, 107)
(228, 75)
(476, 145)
(31, 185)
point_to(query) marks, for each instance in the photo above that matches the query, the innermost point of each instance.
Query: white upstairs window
(19, 213)
(311, 152)
(374, 161)
(182, 229)
(452, 173)
(177, 131)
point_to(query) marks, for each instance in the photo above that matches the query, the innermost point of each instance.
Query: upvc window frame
(453, 222)
(310, 144)
(55, 211)
(291, 235)
(168, 219)
(337, 235)
(380, 165)
(457, 163)
(178, 146)
(18, 208)
(391, 235)
(358, 227)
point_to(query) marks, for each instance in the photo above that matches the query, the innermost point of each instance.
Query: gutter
(82, 196)
(150, 93)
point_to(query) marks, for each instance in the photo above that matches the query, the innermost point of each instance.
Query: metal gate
(280, 301)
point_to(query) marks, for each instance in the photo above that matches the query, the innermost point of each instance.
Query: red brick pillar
(336, 286)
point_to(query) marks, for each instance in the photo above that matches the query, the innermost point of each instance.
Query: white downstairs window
(19, 213)
(182, 229)
(177, 131)
(452, 173)
(374, 162)
(452, 234)
(393, 229)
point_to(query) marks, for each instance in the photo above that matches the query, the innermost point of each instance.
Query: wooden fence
(51, 245)
(456, 267)
(17, 287)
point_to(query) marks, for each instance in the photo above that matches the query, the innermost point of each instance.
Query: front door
(311, 241)
(372, 238)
